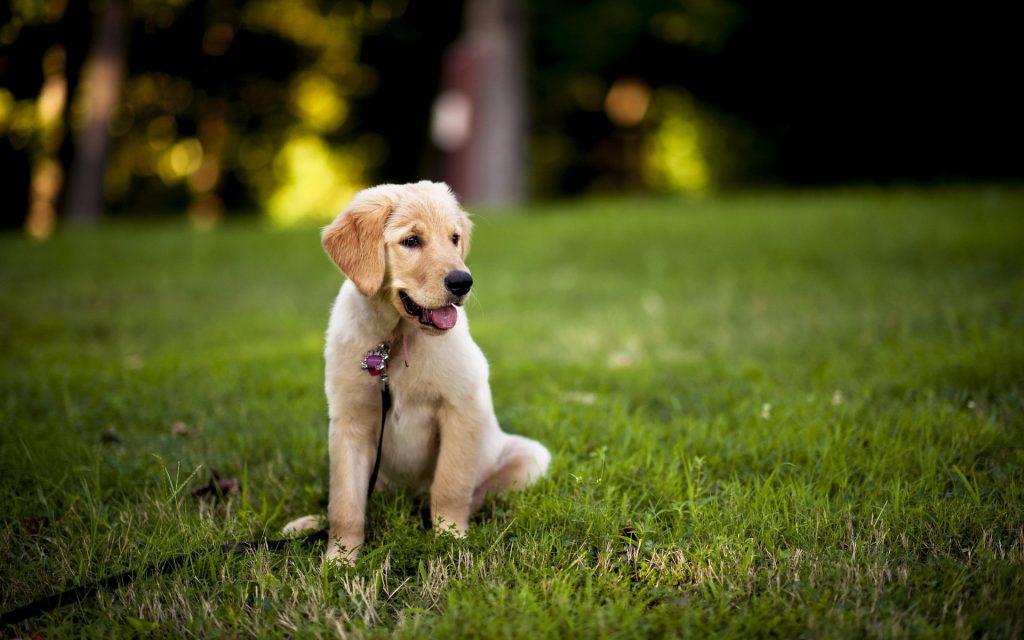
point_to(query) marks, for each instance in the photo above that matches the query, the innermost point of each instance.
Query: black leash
(169, 565)
(172, 564)
(385, 406)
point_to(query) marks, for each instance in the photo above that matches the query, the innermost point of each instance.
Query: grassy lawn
(778, 414)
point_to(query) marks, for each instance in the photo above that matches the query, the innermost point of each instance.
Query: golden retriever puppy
(403, 249)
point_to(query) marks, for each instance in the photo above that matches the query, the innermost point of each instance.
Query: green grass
(777, 414)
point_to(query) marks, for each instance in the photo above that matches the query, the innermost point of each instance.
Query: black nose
(458, 282)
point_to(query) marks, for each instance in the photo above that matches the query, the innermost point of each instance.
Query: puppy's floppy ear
(355, 240)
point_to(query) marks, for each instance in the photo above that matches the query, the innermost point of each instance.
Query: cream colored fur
(441, 436)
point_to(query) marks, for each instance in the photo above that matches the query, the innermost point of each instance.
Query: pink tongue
(442, 317)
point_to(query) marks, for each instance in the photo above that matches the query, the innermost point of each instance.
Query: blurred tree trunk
(101, 86)
(480, 115)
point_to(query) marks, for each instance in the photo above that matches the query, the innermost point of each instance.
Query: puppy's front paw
(341, 554)
(445, 527)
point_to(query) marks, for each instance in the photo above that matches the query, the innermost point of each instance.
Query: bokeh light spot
(180, 161)
(314, 182)
(315, 99)
(627, 102)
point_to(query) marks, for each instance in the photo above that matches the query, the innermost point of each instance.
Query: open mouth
(442, 318)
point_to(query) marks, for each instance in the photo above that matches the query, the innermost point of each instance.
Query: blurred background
(215, 108)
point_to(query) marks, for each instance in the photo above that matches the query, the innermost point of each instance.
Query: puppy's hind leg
(304, 524)
(521, 463)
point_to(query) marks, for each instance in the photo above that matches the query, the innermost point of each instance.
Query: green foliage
(223, 106)
(771, 415)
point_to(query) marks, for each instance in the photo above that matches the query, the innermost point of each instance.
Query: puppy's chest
(420, 377)
(411, 437)
(415, 401)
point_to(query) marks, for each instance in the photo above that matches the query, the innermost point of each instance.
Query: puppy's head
(408, 243)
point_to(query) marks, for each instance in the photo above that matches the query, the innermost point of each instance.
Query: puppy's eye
(455, 239)
(412, 242)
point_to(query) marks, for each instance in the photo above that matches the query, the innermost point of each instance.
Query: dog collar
(375, 362)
